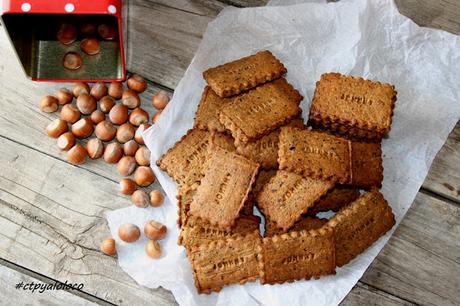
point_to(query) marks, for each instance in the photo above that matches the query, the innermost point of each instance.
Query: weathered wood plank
(52, 217)
(444, 175)
(11, 296)
(444, 14)
(363, 294)
(421, 262)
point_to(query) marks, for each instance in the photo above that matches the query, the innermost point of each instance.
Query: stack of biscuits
(249, 147)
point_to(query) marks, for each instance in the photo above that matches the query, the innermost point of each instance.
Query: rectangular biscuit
(265, 149)
(297, 255)
(366, 165)
(360, 224)
(262, 178)
(335, 199)
(354, 102)
(243, 74)
(258, 112)
(288, 195)
(224, 262)
(207, 114)
(184, 161)
(304, 224)
(315, 154)
(197, 231)
(228, 179)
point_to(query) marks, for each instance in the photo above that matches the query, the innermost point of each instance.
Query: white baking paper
(362, 38)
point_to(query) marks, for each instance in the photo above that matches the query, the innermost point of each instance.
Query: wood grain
(11, 296)
(444, 175)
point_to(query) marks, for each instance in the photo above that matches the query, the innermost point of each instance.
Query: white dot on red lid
(25, 7)
(69, 7)
(112, 9)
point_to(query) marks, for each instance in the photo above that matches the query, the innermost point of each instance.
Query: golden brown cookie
(287, 196)
(366, 165)
(228, 179)
(360, 224)
(297, 255)
(224, 262)
(315, 154)
(256, 113)
(351, 102)
(245, 73)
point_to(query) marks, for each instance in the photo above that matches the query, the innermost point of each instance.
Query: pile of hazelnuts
(107, 122)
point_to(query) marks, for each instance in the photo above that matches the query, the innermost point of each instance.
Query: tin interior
(34, 37)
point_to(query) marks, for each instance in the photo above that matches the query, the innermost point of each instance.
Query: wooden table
(52, 213)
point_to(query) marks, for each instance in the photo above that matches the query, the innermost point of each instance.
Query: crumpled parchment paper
(358, 37)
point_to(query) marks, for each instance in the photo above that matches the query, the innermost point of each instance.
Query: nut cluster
(107, 122)
(90, 43)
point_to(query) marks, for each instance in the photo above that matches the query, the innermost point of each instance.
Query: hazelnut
(160, 99)
(56, 128)
(107, 32)
(113, 152)
(77, 154)
(88, 28)
(154, 230)
(72, 60)
(82, 128)
(90, 46)
(138, 116)
(106, 103)
(64, 96)
(98, 91)
(138, 135)
(137, 83)
(116, 90)
(105, 131)
(130, 99)
(118, 114)
(49, 104)
(70, 113)
(86, 104)
(67, 33)
(156, 117)
(153, 250)
(108, 247)
(156, 198)
(80, 88)
(143, 176)
(125, 133)
(127, 186)
(129, 232)
(66, 141)
(95, 148)
(143, 156)
(140, 198)
(97, 116)
(126, 165)
(130, 148)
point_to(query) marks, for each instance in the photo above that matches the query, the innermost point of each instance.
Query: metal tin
(32, 27)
